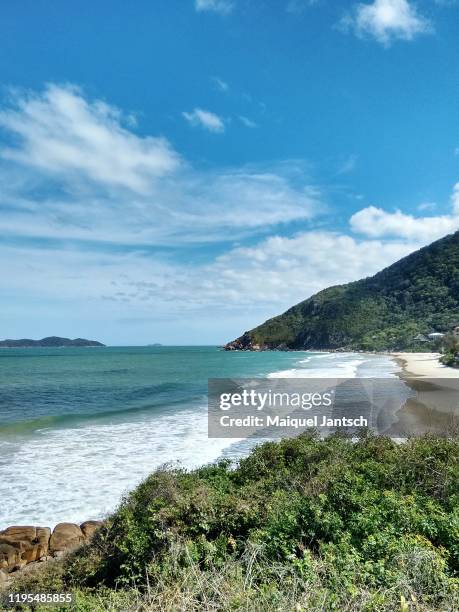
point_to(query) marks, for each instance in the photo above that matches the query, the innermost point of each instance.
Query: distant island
(50, 341)
(405, 307)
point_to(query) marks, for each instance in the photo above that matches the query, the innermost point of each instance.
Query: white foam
(324, 365)
(81, 473)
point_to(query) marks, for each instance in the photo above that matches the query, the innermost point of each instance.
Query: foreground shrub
(302, 524)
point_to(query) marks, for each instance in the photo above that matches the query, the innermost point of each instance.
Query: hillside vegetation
(301, 524)
(417, 295)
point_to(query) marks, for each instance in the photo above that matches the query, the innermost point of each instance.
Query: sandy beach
(424, 364)
(435, 408)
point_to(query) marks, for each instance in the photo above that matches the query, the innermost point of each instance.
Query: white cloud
(247, 122)
(378, 223)
(217, 6)
(348, 165)
(61, 133)
(386, 20)
(220, 84)
(455, 199)
(191, 207)
(427, 206)
(204, 118)
(114, 273)
(102, 188)
(281, 270)
(267, 278)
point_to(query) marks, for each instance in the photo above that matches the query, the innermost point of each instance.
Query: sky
(178, 171)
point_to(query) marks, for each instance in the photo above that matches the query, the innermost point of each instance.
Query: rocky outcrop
(89, 528)
(244, 343)
(65, 537)
(21, 545)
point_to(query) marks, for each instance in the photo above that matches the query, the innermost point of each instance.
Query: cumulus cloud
(224, 7)
(73, 170)
(205, 119)
(62, 133)
(377, 223)
(86, 239)
(266, 278)
(283, 270)
(387, 20)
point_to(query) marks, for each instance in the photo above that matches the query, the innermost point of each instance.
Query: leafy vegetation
(417, 295)
(450, 349)
(302, 524)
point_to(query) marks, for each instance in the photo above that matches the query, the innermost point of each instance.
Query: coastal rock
(3, 577)
(20, 534)
(10, 554)
(65, 537)
(89, 528)
(244, 343)
(22, 546)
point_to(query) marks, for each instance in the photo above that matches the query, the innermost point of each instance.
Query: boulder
(20, 533)
(89, 528)
(33, 541)
(65, 537)
(10, 553)
(23, 545)
(3, 578)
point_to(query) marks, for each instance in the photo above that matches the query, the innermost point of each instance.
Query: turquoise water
(81, 426)
(58, 387)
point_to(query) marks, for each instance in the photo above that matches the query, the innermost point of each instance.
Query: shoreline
(434, 409)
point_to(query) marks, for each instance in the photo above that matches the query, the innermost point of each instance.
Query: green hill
(417, 295)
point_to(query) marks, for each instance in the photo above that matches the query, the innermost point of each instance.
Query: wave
(73, 466)
(28, 426)
(76, 474)
(339, 365)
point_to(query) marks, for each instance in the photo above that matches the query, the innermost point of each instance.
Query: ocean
(80, 427)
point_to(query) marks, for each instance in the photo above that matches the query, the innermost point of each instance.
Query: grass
(301, 524)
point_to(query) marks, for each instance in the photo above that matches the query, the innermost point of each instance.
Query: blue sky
(177, 172)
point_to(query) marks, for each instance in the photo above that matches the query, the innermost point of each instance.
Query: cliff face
(417, 295)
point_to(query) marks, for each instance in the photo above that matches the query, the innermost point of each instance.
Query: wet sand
(435, 408)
